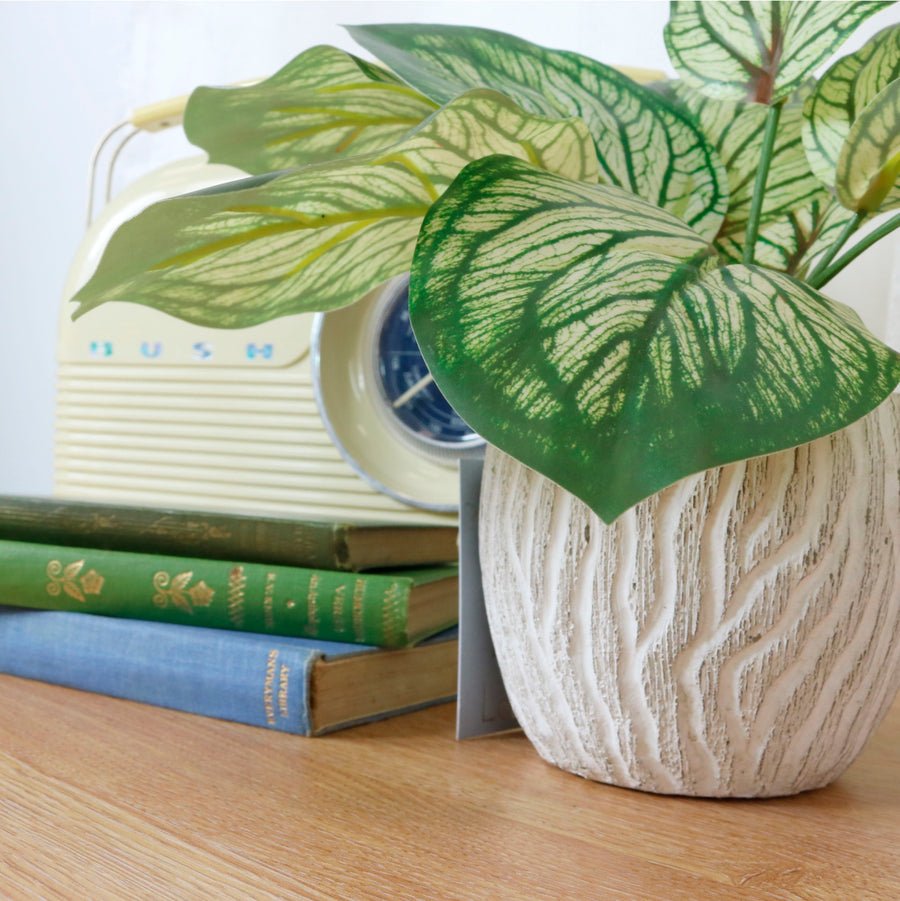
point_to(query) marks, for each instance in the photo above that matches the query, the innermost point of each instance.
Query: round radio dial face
(412, 397)
(380, 406)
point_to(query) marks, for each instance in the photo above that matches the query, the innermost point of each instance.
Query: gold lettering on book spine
(305, 548)
(269, 601)
(312, 605)
(359, 596)
(269, 687)
(237, 582)
(68, 579)
(284, 676)
(338, 620)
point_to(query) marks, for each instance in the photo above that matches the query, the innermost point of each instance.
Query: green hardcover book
(387, 609)
(226, 536)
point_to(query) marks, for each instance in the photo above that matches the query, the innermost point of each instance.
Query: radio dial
(382, 409)
(412, 404)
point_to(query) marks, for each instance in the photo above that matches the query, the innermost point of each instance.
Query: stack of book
(301, 626)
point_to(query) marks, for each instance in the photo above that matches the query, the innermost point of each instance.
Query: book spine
(250, 679)
(364, 608)
(285, 542)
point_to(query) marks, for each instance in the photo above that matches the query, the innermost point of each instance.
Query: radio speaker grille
(213, 439)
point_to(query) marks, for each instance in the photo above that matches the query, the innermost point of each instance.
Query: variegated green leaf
(736, 131)
(644, 143)
(319, 237)
(323, 104)
(868, 170)
(799, 217)
(790, 241)
(841, 95)
(595, 338)
(759, 51)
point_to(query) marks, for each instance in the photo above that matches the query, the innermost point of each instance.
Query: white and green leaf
(799, 217)
(596, 338)
(644, 143)
(323, 104)
(319, 237)
(760, 51)
(868, 169)
(791, 241)
(736, 130)
(842, 93)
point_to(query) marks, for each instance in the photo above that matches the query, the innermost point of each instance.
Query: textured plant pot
(735, 635)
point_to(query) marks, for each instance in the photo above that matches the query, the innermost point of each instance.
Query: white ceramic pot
(735, 635)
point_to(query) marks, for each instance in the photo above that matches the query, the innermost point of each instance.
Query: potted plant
(691, 512)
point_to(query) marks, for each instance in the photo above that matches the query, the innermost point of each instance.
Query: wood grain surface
(107, 799)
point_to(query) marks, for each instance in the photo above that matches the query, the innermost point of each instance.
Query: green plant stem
(820, 267)
(759, 187)
(863, 245)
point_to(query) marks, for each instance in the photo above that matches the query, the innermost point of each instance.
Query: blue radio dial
(411, 397)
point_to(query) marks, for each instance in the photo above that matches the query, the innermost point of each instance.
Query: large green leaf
(323, 104)
(759, 51)
(319, 237)
(843, 92)
(868, 170)
(595, 338)
(644, 143)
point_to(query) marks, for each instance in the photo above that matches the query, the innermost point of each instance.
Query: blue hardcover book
(296, 685)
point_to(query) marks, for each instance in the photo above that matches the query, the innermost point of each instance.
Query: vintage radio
(325, 415)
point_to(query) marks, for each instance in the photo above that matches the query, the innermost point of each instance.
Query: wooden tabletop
(107, 799)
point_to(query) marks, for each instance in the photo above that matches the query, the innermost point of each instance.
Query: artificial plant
(619, 284)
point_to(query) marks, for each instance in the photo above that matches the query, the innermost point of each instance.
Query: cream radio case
(302, 416)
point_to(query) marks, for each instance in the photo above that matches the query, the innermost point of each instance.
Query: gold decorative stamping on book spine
(237, 582)
(392, 628)
(66, 579)
(175, 590)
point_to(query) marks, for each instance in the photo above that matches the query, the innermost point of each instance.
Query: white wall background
(69, 70)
